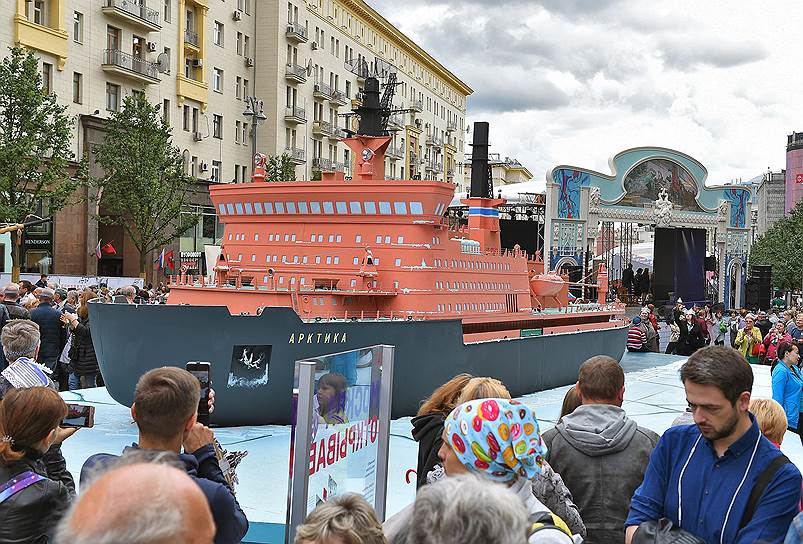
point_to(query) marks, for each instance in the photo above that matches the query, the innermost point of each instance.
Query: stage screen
(679, 264)
(524, 233)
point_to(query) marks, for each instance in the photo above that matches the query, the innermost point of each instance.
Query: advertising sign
(341, 430)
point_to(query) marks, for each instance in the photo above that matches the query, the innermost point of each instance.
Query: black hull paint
(130, 340)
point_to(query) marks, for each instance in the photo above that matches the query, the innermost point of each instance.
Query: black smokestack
(370, 111)
(481, 184)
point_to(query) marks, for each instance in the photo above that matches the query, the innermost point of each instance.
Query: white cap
(680, 300)
(690, 312)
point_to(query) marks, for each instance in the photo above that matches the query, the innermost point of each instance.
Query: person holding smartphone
(84, 369)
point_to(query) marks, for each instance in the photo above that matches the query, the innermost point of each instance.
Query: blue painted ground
(653, 397)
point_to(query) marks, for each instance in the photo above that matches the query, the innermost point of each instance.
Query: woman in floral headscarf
(500, 440)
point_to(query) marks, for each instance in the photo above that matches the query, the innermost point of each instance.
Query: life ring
(305, 299)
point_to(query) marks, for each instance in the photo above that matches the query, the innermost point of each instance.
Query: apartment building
(504, 171)
(201, 60)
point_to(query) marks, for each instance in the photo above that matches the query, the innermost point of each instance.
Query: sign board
(531, 332)
(341, 430)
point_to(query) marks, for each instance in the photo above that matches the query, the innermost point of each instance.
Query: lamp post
(254, 110)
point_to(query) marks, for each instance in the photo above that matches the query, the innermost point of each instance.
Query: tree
(35, 150)
(780, 248)
(145, 188)
(281, 168)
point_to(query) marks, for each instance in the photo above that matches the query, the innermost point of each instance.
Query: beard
(713, 433)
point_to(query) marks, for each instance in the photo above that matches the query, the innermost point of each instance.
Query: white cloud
(576, 81)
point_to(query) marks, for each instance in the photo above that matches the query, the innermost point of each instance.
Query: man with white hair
(20, 341)
(652, 335)
(144, 503)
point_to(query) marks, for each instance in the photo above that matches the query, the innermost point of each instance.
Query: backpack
(723, 326)
(543, 521)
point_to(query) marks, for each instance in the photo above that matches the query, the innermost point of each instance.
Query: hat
(496, 437)
(46, 292)
(61, 292)
(750, 316)
(679, 301)
(636, 320)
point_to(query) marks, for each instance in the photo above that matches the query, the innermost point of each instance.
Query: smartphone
(79, 415)
(202, 371)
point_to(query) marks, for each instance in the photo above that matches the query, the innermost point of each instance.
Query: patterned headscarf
(497, 437)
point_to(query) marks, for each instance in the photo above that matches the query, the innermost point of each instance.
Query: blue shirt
(787, 387)
(710, 483)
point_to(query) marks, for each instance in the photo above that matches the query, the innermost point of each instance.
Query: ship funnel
(481, 183)
(370, 111)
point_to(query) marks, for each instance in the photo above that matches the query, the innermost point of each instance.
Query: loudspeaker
(751, 294)
(762, 274)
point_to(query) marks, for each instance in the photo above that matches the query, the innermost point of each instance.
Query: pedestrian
(771, 419)
(691, 336)
(343, 518)
(85, 370)
(627, 278)
(53, 335)
(787, 385)
(600, 453)
(795, 327)
(700, 314)
(637, 336)
(763, 323)
(11, 297)
(637, 284)
(749, 340)
(700, 477)
(674, 335)
(772, 340)
(734, 324)
(645, 285)
(652, 333)
(571, 401)
(717, 327)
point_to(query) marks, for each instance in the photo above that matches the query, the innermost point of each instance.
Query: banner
(79, 282)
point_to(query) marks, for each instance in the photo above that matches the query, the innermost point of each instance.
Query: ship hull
(132, 339)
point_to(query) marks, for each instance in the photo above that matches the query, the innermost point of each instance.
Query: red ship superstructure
(370, 248)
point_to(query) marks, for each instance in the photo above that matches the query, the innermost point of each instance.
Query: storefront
(207, 231)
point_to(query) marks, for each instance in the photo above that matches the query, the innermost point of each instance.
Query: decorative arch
(564, 261)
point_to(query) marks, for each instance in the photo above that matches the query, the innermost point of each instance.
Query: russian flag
(98, 253)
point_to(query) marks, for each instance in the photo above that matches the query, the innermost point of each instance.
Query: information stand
(341, 430)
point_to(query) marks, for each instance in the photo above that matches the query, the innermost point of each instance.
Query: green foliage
(280, 168)
(144, 188)
(34, 143)
(316, 174)
(781, 247)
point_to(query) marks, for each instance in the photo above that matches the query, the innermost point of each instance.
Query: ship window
(258, 207)
(400, 208)
(256, 237)
(249, 209)
(320, 238)
(302, 281)
(239, 208)
(221, 208)
(229, 209)
(292, 237)
(286, 237)
(395, 285)
(331, 238)
(291, 207)
(370, 208)
(384, 208)
(280, 207)
(450, 307)
(284, 258)
(315, 301)
(358, 238)
(339, 238)
(230, 237)
(239, 257)
(341, 207)
(376, 261)
(305, 259)
(270, 237)
(264, 279)
(328, 207)
(268, 208)
(267, 258)
(317, 259)
(354, 283)
(337, 260)
(315, 207)
(379, 239)
(356, 260)
(416, 208)
(355, 207)
(302, 207)
(398, 262)
(253, 257)
(293, 280)
(400, 240)
(320, 301)
(281, 280)
(387, 239)
(295, 259)
(328, 259)
(312, 238)
(334, 301)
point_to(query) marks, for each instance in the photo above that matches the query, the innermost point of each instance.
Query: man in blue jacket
(701, 476)
(165, 410)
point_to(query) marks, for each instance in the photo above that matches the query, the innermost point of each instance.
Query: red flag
(109, 249)
(169, 262)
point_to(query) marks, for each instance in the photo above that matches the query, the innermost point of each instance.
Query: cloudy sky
(575, 81)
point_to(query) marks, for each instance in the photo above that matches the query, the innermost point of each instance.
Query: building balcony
(322, 128)
(338, 134)
(295, 115)
(434, 140)
(451, 127)
(295, 73)
(296, 155)
(416, 106)
(296, 33)
(322, 91)
(126, 64)
(191, 38)
(135, 12)
(339, 98)
(394, 153)
(395, 124)
(41, 38)
(327, 165)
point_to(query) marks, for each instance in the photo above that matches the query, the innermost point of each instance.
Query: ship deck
(653, 397)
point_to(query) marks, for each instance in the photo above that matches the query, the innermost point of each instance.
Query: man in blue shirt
(700, 476)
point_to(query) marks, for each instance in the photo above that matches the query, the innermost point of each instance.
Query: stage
(653, 397)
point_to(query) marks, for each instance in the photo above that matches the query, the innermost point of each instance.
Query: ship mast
(483, 212)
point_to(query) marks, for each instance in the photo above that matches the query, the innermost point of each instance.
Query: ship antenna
(481, 179)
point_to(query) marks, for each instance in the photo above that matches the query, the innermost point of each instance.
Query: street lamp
(254, 110)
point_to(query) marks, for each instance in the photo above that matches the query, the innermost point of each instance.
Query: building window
(248, 7)
(77, 84)
(217, 33)
(245, 87)
(237, 92)
(246, 41)
(38, 12)
(78, 27)
(186, 118)
(47, 78)
(166, 111)
(217, 80)
(240, 43)
(112, 97)
(217, 126)
(216, 169)
(237, 130)
(167, 13)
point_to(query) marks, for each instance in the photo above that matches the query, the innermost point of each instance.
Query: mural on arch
(569, 184)
(738, 199)
(643, 183)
